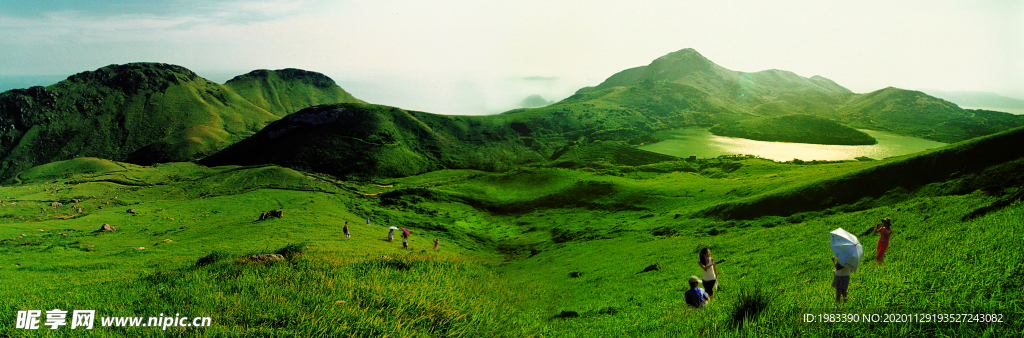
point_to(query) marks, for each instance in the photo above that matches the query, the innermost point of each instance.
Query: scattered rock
(652, 267)
(141, 248)
(75, 200)
(107, 228)
(272, 213)
(575, 274)
(64, 234)
(266, 257)
(40, 230)
(23, 235)
(54, 204)
(131, 211)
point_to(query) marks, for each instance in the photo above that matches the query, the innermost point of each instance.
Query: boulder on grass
(266, 257)
(106, 228)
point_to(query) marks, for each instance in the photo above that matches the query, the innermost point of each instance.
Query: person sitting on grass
(695, 297)
(841, 281)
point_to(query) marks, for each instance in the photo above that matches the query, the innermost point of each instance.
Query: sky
(484, 57)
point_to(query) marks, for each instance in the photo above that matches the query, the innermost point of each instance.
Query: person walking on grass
(841, 281)
(708, 274)
(885, 230)
(405, 240)
(391, 235)
(695, 297)
(436, 242)
(347, 234)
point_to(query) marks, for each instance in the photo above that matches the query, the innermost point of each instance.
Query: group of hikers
(391, 235)
(698, 298)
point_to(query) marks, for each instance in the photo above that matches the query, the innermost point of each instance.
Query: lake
(702, 143)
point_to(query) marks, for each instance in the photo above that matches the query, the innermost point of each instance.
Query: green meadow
(546, 249)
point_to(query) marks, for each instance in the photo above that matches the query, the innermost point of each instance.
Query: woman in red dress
(885, 229)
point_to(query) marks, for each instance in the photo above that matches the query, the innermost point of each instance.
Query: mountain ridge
(137, 112)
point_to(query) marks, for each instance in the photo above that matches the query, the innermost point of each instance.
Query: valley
(143, 189)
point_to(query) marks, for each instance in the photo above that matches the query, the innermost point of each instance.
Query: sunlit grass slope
(146, 113)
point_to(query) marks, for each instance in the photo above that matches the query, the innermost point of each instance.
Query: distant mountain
(739, 91)
(917, 114)
(358, 141)
(986, 100)
(147, 112)
(728, 96)
(534, 101)
(285, 91)
(601, 124)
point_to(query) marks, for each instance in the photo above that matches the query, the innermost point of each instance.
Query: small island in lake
(796, 128)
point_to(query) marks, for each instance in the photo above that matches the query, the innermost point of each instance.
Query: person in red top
(885, 229)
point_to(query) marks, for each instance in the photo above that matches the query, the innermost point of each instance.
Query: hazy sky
(473, 57)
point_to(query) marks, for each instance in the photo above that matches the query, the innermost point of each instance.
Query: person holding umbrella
(841, 281)
(436, 242)
(405, 238)
(848, 252)
(391, 234)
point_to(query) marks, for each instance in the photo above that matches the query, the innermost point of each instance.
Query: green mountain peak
(148, 112)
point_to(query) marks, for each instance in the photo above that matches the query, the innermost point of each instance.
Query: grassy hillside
(362, 141)
(145, 113)
(550, 248)
(285, 91)
(772, 93)
(916, 114)
(797, 128)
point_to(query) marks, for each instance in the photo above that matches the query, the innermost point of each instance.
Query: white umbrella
(393, 228)
(847, 248)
